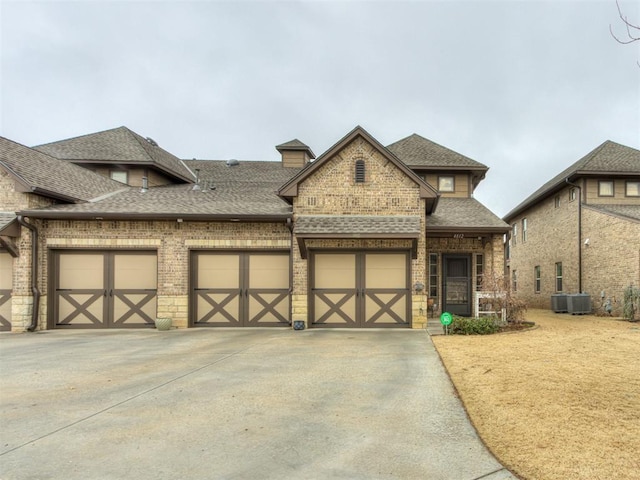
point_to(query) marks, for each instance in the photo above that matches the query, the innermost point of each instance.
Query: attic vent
(360, 173)
(232, 162)
(151, 141)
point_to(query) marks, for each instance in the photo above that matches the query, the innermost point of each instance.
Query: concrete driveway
(232, 404)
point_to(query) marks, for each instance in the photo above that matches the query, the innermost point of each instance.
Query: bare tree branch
(629, 26)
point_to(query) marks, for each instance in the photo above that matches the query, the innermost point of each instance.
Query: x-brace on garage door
(104, 289)
(360, 289)
(240, 289)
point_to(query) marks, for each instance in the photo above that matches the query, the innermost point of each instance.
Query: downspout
(291, 252)
(34, 273)
(579, 232)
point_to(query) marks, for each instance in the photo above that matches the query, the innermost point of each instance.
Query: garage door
(360, 289)
(6, 285)
(104, 289)
(240, 289)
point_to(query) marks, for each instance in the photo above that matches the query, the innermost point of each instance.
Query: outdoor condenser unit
(559, 303)
(579, 304)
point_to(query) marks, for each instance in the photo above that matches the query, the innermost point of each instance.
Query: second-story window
(360, 171)
(557, 201)
(605, 188)
(514, 234)
(119, 176)
(446, 184)
(524, 230)
(572, 194)
(632, 188)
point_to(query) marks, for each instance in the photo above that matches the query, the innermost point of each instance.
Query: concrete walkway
(232, 404)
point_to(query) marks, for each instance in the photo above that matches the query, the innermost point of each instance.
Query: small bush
(474, 326)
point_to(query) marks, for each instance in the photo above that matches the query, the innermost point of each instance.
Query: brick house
(580, 232)
(124, 232)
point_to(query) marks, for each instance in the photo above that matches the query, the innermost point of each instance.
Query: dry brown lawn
(561, 401)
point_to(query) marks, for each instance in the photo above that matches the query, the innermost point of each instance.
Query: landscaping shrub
(474, 326)
(631, 303)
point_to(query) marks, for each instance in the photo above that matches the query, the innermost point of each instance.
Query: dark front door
(457, 285)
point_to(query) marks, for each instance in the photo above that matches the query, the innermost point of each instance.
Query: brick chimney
(295, 154)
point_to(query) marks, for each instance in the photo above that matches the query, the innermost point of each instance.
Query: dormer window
(119, 176)
(446, 184)
(605, 188)
(360, 171)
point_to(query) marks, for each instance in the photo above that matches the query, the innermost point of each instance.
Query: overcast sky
(525, 87)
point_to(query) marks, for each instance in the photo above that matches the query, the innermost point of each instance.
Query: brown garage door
(360, 289)
(240, 289)
(6, 285)
(104, 289)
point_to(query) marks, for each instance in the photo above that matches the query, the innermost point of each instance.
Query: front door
(104, 289)
(360, 289)
(240, 289)
(457, 285)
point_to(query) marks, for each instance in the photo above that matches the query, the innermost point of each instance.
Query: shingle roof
(463, 213)
(245, 190)
(356, 225)
(49, 176)
(6, 218)
(119, 145)
(417, 151)
(608, 158)
(627, 211)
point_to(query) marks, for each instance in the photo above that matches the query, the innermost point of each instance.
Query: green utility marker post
(445, 319)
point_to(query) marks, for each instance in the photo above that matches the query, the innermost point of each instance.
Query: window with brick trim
(514, 281)
(360, 171)
(479, 270)
(605, 188)
(514, 234)
(536, 278)
(559, 277)
(433, 275)
(557, 201)
(632, 188)
(524, 229)
(572, 194)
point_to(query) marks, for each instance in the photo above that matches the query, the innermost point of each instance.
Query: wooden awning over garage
(9, 231)
(378, 227)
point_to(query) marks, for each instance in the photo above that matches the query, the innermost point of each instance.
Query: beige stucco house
(109, 230)
(580, 232)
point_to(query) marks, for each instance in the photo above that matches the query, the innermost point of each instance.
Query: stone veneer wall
(171, 240)
(332, 190)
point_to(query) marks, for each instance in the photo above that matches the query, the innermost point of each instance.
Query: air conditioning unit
(579, 304)
(559, 303)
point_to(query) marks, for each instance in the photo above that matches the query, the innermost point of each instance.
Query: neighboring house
(580, 232)
(363, 236)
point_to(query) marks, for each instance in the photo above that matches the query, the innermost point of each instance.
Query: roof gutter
(61, 215)
(34, 273)
(579, 232)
